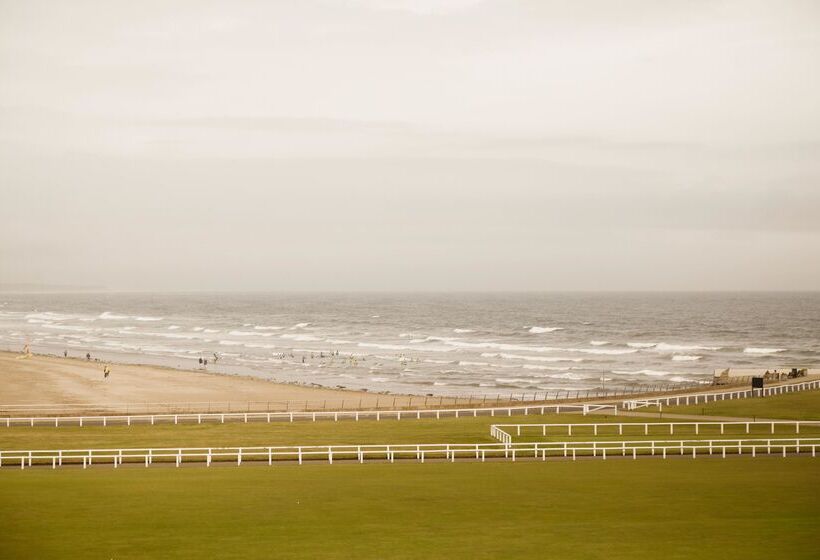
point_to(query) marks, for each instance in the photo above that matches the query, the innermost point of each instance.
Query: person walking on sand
(65, 353)
(106, 371)
(88, 356)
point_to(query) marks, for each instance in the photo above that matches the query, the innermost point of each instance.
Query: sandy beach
(53, 380)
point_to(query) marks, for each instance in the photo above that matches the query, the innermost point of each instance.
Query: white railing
(350, 403)
(206, 456)
(337, 415)
(504, 432)
(702, 398)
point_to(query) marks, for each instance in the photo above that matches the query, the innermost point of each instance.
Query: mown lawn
(795, 406)
(445, 430)
(679, 508)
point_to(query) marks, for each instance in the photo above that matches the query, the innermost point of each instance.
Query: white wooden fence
(418, 452)
(702, 398)
(504, 432)
(219, 417)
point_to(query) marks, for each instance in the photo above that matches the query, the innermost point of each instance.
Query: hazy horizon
(410, 146)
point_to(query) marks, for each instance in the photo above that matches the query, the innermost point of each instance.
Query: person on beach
(216, 357)
(200, 360)
(88, 356)
(106, 371)
(205, 362)
(65, 353)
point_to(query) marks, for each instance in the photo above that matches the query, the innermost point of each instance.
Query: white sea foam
(46, 316)
(477, 364)
(663, 347)
(512, 380)
(763, 350)
(603, 351)
(300, 325)
(300, 337)
(542, 368)
(211, 330)
(462, 331)
(567, 375)
(267, 328)
(641, 344)
(230, 343)
(379, 379)
(68, 328)
(685, 358)
(148, 318)
(249, 333)
(598, 342)
(174, 327)
(651, 372)
(111, 316)
(529, 358)
(430, 361)
(541, 330)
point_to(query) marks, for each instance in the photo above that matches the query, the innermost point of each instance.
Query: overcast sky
(410, 145)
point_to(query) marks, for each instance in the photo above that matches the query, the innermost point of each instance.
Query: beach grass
(706, 508)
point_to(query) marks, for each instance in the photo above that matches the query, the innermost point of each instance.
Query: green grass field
(679, 508)
(794, 406)
(449, 430)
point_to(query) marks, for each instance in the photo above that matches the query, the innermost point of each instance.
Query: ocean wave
(477, 364)
(663, 347)
(567, 375)
(753, 350)
(430, 361)
(148, 318)
(685, 358)
(111, 316)
(529, 358)
(68, 328)
(46, 316)
(230, 343)
(300, 325)
(174, 327)
(641, 344)
(602, 351)
(542, 368)
(512, 380)
(598, 342)
(267, 328)
(250, 333)
(463, 331)
(650, 372)
(541, 330)
(300, 337)
(211, 330)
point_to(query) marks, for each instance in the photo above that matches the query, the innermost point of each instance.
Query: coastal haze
(406, 145)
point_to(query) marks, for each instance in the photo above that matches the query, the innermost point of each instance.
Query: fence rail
(354, 402)
(504, 432)
(390, 453)
(337, 415)
(702, 398)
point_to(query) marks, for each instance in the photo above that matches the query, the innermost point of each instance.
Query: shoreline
(49, 379)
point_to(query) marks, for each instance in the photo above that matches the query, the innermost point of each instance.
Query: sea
(440, 344)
